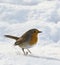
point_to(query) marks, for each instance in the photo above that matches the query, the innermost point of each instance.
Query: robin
(27, 40)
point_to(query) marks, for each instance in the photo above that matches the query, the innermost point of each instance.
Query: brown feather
(12, 37)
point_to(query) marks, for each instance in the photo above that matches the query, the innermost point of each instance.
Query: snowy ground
(43, 55)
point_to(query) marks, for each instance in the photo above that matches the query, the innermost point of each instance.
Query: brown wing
(25, 37)
(22, 39)
(19, 41)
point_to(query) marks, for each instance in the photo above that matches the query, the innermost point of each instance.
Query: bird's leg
(26, 52)
(29, 51)
(23, 51)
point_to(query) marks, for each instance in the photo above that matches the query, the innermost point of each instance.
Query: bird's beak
(39, 31)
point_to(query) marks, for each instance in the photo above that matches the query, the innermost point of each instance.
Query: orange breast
(33, 39)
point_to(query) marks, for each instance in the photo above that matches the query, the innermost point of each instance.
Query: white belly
(25, 45)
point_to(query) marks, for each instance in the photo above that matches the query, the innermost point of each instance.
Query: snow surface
(41, 55)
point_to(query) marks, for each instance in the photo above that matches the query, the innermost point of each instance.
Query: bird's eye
(34, 31)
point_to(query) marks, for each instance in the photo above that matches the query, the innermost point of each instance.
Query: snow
(44, 55)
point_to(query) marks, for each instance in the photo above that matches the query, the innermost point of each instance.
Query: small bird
(27, 40)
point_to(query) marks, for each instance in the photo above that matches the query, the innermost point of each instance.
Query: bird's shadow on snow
(44, 57)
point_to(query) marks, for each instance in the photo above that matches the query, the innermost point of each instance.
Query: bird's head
(34, 31)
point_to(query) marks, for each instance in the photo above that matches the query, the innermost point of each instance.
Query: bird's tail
(12, 37)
